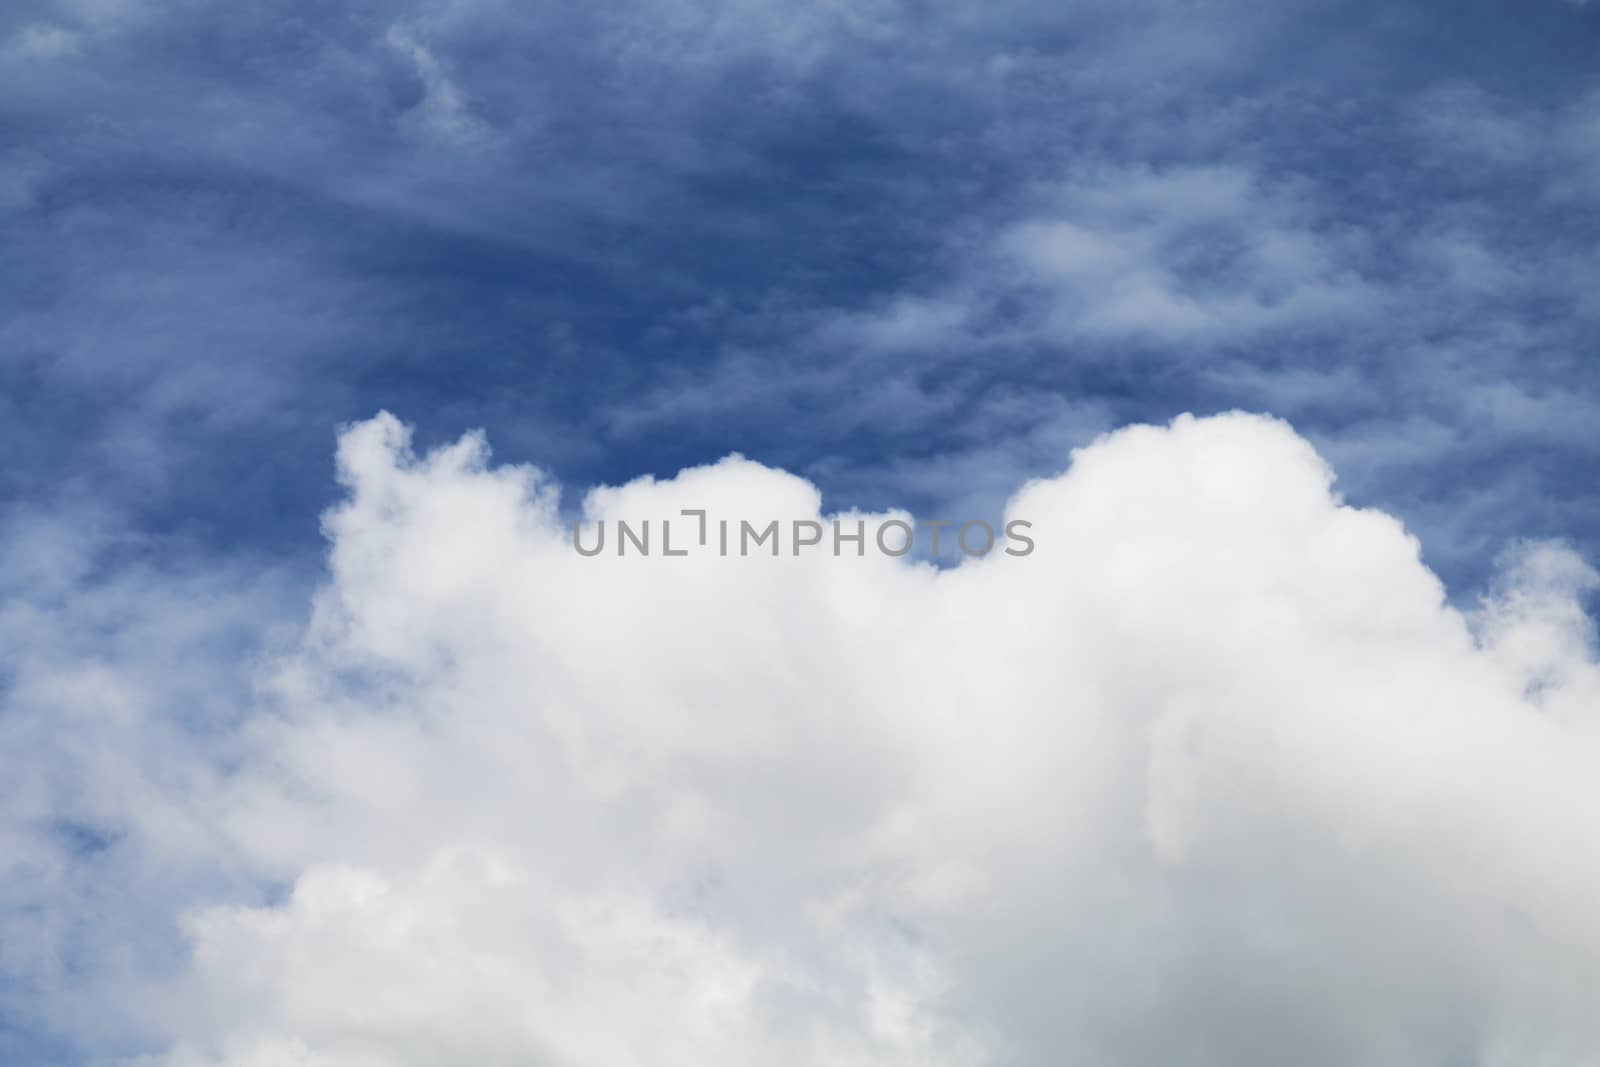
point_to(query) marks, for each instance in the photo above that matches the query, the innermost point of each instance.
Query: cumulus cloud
(1214, 776)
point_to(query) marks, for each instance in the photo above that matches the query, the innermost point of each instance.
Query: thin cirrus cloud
(668, 231)
(1216, 775)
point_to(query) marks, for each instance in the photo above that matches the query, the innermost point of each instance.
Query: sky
(320, 323)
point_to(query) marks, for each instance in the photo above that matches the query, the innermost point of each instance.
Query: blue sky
(915, 251)
(631, 238)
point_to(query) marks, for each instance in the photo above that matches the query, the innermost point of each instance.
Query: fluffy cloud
(1214, 776)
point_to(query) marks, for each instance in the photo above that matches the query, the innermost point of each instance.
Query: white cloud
(1215, 776)
(1197, 254)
